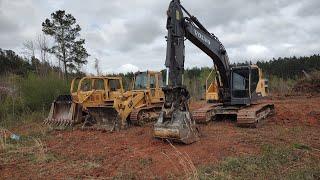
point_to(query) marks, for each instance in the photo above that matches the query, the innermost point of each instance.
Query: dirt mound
(310, 84)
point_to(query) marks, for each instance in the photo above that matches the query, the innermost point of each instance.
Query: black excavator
(237, 85)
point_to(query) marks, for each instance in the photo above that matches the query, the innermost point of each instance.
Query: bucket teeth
(59, 123)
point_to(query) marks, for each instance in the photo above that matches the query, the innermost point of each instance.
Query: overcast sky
(128, 35)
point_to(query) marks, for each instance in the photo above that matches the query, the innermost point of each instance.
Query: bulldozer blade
(102, 118)
(180, 128)
(63, 112)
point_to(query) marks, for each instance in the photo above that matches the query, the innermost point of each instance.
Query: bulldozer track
(135, 115)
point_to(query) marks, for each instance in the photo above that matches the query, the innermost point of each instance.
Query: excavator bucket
(181, 128)
(64, 112)
(175, 122)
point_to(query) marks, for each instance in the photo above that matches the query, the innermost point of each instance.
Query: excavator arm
(179, 28)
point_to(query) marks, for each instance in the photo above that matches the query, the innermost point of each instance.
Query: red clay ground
(134, 153)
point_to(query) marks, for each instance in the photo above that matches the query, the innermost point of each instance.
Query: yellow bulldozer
(90, 102)
(100, 102)
(144, 102)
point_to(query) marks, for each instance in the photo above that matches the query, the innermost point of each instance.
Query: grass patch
(145, 161)
(125, 175)
(29, 146)
(301, 146)
(91, 165)
(272, 163)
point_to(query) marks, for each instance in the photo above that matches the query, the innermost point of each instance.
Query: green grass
(296, 162)
(144, 162)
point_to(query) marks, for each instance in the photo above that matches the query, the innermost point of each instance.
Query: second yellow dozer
(144, 102)
(90, 103)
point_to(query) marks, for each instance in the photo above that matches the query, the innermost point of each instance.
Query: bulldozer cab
(97, 91)
(149, 81)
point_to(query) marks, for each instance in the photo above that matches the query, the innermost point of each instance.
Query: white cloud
(127, 68)
(257, 51)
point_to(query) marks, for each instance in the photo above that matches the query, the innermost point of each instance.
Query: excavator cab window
(240, 83)
(114, 84)
(141, 81)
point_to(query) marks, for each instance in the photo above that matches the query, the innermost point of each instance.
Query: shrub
(39, 92)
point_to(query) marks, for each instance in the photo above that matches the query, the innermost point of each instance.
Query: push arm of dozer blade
(179, 28)
(125, 105)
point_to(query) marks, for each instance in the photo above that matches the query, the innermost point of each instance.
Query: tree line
(286, 68)
(12, 63)
(290, 67)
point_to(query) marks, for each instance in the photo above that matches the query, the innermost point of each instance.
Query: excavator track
(204, 114)
(145, 114)
(254, 115)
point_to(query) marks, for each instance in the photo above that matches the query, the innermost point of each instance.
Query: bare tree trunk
(64, 57)
(43, 47)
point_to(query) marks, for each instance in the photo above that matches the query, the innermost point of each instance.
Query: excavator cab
(240, 85)
(244, 81)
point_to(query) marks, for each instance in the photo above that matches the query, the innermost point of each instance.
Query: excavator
(236, 85)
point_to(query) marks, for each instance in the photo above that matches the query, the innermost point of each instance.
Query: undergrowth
(28, 98)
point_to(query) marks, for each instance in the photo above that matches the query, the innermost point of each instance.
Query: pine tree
(63, 28)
